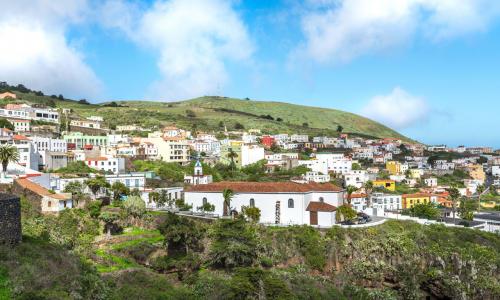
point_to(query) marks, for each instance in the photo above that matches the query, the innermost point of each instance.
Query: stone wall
(10, 219)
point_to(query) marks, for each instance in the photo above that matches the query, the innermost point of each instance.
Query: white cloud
(341, 30)
(194, 40)
(398, 110)
(35, 52)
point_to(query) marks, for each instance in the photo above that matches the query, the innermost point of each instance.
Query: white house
(356, 178)
(284, 203)
(316, 177)
(20, 125)
(326, 162)
(49, 144)
(384, 202)
(132, 181)
(107, 163)
(431, 181)
(300, 138)
(495, 171)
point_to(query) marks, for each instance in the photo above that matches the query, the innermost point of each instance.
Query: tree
(344, 212)
(368, 190)
(350, 189)
(454, 194)
(4, 123)
(206, 207)
(233, 244)
(95, 184)
(466, 209)
(77, 190)
(480, 189)
(305, 125)
(190, 113)
(232, 155)
(119, 189)
(110, 219)
(227, 194)
(239, 126)
(221, 124)
(340, 128)
(424, 210)
(135, 206)
(8, 154)
(182, 235)
(251, 213)
(356, 166)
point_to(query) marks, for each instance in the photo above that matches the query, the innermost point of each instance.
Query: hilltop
(212, 113)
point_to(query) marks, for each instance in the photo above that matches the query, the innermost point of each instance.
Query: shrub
(234, 244)
(135, 206)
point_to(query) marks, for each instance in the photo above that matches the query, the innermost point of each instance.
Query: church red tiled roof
(264, 187)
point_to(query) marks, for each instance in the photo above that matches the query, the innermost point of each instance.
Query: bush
(234, 244)
(135, 206)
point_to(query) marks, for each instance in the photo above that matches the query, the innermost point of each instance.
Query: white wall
(266, 202)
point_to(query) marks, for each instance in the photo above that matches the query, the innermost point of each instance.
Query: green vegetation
(423, 210)
(76, 167)
(4, 123)
(455, 179)
(166, 256)
(210, 112)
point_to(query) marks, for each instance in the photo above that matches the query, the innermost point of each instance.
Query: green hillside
(210, 112)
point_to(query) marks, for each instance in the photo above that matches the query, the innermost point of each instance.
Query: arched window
(49, 204)
(290, 203)
(321, 199)
(204, 201)
(252, 202)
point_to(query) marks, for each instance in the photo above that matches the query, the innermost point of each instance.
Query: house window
(204, 201)
(290, 203)
(252, 202)
(321, 199)
(49, 204)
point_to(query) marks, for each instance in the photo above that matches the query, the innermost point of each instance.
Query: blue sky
(428, 68)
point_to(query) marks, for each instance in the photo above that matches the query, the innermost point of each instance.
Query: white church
(197, 177)
(284, 203)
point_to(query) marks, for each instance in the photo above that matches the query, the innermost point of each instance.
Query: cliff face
(10, 219)
(412, 259)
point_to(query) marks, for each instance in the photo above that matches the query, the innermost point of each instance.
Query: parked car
(362, 220)
(348, 222)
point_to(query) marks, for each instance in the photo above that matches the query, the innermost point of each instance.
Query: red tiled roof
(320, 206)
(40, 190)
(264, 187)
(96, 158)
(359, 196)
(20, 137)
(416, 195)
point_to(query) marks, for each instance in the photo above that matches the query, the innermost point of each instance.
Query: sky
(427, 68)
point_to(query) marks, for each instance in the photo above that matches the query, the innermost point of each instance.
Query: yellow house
(385, 183)
(394, 167)
(477, 172)
(409, 200)
(415, 173)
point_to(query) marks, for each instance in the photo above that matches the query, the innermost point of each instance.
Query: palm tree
(454, 194)
(8, 154)
(349, 190)
(232, 155)
(480, 190)
(368, 189)
(227, 194)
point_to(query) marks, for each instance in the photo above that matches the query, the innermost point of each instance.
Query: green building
(80, 140)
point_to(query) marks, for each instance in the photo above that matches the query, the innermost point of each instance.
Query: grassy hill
(210, 112)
